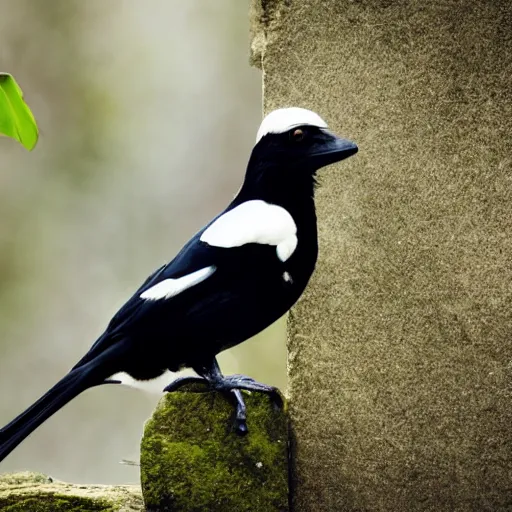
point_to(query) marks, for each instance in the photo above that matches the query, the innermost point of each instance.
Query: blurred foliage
(16, 119)
(50, 64)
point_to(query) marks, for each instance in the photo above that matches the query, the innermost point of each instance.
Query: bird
(236, 276)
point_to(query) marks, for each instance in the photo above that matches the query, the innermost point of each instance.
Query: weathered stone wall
(400, 352)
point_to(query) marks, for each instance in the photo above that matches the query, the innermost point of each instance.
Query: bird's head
(291, 145)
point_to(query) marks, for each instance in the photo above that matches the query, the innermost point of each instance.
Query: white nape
(254, 222)
(155, 386)
(171, 287)
(284, 119)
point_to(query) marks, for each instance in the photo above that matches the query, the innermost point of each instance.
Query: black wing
(194, 256)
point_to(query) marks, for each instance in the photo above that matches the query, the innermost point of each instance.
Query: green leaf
(16, 119)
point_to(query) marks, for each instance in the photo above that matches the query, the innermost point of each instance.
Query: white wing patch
(284, 119)
(254, 222)
(171, 287)
(286, 248)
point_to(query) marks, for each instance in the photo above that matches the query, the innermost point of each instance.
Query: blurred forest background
(148, 112)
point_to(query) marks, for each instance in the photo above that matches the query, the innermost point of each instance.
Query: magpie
(235, 277)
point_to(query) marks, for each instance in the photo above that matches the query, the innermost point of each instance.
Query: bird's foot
(231, 394)
(237, 382)
(231, 387)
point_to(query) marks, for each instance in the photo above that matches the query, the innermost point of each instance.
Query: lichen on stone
(265, 18)
(192, 460)
(35, 492)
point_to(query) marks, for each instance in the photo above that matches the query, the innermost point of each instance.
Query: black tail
(75, 382)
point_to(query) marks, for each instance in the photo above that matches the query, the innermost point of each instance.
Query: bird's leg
(233, 395)
(214, 377)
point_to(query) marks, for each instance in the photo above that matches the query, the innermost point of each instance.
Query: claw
(178, 383)
(240, 411)
(230, 387)
(277, 400)
(241, 428)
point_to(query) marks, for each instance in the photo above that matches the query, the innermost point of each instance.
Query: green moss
(193, 461)
(47, 502)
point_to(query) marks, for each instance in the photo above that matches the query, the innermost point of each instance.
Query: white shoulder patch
(284, 119)
(171, 287)
(254, 222)
(286, 248)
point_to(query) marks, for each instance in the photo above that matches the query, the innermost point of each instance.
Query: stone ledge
(35, 492)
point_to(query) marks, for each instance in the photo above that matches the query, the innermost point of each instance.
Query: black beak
(329, 148)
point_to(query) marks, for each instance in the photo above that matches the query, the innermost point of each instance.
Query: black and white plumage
(235, 277)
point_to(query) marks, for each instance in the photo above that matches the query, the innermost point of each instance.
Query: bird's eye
(298, 135)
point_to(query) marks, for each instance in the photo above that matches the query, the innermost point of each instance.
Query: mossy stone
(48, 502)
(35, 492)
(193, 461)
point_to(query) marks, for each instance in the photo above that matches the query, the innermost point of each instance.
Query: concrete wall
(400, 351)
